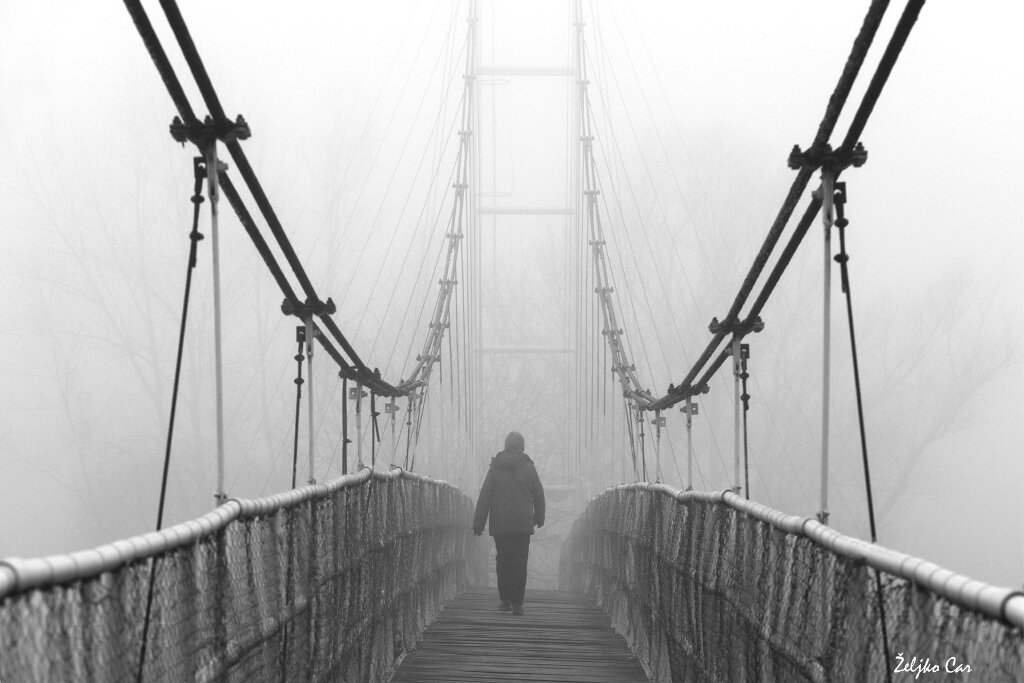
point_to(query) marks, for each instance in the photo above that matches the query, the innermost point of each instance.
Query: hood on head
(515, 442)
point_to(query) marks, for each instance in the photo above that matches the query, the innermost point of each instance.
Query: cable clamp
(366, 377)
(443, 326)
(824, 156)
(839, 203)
(611, 333)
(591, 193)
(693, 409)
(604, 290)
(198, 166)
(658, 421)
(202, 134)
(744, 350)
(355, 393)
(597, 243)
(309, 308)
(741, 328)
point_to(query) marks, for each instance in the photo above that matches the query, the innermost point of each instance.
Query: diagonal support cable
(818, 153)
(187, 127)
(199, 169)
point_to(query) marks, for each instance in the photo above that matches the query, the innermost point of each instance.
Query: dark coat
(511, 496)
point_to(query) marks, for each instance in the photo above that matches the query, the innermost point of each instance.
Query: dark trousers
(513, 553)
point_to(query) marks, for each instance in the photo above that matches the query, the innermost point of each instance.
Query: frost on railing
(711, 587)
(328, 582)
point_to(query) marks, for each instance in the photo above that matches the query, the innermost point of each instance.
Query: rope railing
(326, 582)
(713, 587)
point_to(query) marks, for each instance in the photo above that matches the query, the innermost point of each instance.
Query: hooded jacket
(511, 496)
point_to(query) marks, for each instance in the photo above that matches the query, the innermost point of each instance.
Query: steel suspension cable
(603, 286)
(373, 162)
(199, 170)
(455, 236)
(370, 118)
(664, 148)
(842, 258)
(834, 107)
(220, 128)
(678, 185)
(300, 337)
(423, 257)
(632, 193)
(604, 200)
(632, 252)
(392, 293)
(408, 196)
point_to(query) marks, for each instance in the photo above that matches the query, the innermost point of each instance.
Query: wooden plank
(562, 637)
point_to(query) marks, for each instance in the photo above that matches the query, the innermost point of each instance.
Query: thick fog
(354, 110)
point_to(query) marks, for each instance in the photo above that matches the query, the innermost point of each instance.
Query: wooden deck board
(562, 637)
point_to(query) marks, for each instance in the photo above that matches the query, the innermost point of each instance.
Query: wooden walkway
(562, 637)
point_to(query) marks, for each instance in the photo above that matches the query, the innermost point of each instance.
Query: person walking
(513, 498)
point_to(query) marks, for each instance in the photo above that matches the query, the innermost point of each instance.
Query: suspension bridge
(365, 568)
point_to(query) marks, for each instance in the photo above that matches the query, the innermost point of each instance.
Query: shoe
(517, 610)
(504, 606)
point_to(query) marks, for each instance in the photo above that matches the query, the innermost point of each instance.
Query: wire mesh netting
(331, 582)
(706, 592)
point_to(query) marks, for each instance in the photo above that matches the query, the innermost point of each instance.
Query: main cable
(851, 69)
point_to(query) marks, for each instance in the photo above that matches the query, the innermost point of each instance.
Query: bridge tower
(526, 253)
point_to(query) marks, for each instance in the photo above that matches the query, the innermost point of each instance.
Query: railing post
(827, 190)
(357, 394)
(690, 409)
(737, 414)
(213, 191)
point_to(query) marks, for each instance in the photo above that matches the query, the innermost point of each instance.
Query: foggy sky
(351, 117)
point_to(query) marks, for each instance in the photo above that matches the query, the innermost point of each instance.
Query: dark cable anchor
(694, 389)
(737, 327)
(842, 258)
(202, 134)
(199, 166)
(824, 156)
(309, 308)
